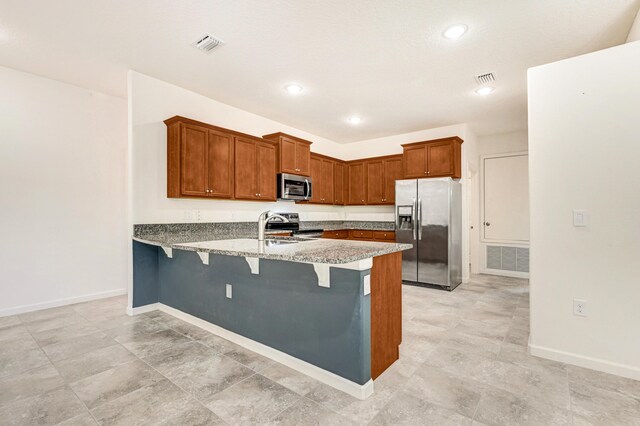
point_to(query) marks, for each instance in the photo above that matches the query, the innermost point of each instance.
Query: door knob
(487, 224)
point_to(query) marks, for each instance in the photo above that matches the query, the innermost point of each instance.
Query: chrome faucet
(264, 218)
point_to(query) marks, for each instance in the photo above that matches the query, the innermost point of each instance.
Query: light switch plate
(229, 291)
(367, 284)
(580, 218)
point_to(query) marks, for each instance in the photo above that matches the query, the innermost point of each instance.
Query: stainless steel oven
(293, 187)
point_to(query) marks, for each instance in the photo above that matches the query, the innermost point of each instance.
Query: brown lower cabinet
(361, 234)
(386, 311)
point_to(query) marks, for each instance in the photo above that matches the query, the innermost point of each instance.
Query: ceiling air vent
(206, 43)
(485, 78)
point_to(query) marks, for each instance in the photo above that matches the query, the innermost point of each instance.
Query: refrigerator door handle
(413, 218)
(419, 218)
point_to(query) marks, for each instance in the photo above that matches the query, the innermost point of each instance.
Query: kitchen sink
(278, 242)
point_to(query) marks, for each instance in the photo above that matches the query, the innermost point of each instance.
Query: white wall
(152, 102)
(62, 191)
(584, 151)
(503, 143)
(634, 33)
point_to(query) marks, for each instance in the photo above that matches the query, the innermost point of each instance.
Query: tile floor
(464, 361)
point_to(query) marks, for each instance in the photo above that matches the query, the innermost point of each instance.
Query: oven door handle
(307, 189)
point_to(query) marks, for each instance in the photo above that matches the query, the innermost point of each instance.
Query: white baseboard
(142, 309)
(586, 362)
(60, 302)
(347, 386)
(502, 273)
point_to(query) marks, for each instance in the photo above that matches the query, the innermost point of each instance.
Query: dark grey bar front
(282, 307)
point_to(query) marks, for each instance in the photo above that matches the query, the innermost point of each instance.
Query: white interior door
(506, 198)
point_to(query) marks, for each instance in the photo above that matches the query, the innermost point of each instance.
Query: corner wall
(584, 151)
(63, 193)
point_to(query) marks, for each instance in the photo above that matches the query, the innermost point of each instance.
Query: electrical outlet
(198, 216)
(580, 307)
(188, 215)
(229, 290)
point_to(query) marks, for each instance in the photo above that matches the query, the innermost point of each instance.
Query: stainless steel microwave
(293, 187)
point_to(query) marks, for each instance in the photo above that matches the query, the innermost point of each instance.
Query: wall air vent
(485, 78)
(206, 43)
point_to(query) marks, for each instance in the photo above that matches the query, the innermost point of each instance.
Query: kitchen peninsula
(327, 307)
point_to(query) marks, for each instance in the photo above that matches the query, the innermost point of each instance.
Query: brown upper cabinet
(339, 182)
(435, 158)
(322, 178)
(356, 183)
(255, 177)
(294, 154)
(382, 173)
(200, 160)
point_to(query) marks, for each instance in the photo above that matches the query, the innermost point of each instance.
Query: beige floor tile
(217, 343)
(20, 354)
(307, 413)
(30, 383)
(94, 362)
(78, 345)
(9, 321)
(113, 383)
(56, 335)
(17, 331)
(598, 406)
(499, 407)
(291, 379)
(254, 400)
(446, 390)
(160, 403)
(199, 370)
(407, 409)
(49, 408)
(148, 344)
(250, 359)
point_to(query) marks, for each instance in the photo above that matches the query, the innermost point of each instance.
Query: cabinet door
(220, 164)
(375, 181)
(392, 172)
(327, 181)
(316, 180)
(440, 159)
(415, 162)
(246, 173)
(193, 174)
(338, 183)
(303, 153)
(288, 156)
(356, 184)
(266, 154)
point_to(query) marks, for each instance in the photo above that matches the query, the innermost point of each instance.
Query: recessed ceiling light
(293, 88)
(454, 32)
(484, 91)
(354, 119)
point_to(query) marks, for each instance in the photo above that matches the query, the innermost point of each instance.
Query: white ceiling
(384, 60)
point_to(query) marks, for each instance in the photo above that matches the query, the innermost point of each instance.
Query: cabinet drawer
(361, 235)
(339, 234)
(384, 235)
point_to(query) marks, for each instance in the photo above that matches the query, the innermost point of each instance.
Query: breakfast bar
(328, 308)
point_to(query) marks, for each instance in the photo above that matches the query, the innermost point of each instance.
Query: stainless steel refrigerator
(429, 216)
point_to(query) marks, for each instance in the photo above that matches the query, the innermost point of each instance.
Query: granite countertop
(240, 239)
(297, 249)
